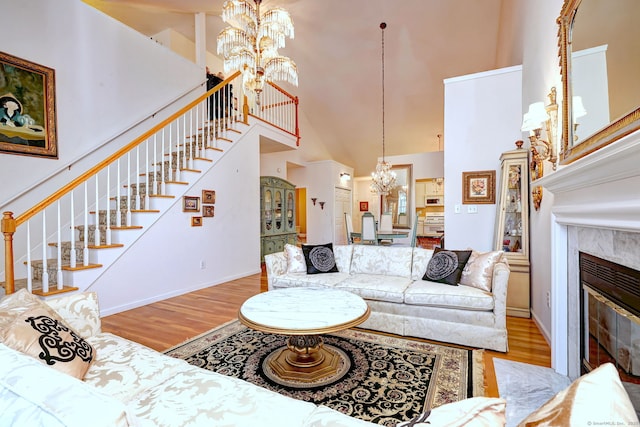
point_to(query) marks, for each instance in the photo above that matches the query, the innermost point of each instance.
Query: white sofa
(389, 278)
(128, 384)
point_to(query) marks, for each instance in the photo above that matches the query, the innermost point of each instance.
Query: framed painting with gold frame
(27, 108)
(479, 187)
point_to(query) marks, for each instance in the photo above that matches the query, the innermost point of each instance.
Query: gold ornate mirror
(600, 60)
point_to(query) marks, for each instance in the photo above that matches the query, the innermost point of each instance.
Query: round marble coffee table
(304, 314)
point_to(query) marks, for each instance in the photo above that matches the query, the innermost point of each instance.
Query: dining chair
(386, 226)
(386, 223)
(368, 234)
(349, 226)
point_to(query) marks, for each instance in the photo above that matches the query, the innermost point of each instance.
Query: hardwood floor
(170, 322)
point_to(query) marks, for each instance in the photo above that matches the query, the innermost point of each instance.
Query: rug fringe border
(478, 374)
(192, 339)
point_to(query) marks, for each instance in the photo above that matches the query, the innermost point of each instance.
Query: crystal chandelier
(251, 45)
(383, 180)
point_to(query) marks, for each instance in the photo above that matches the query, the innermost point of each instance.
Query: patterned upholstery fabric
(32, 394)
(390, 280)
(131, 385)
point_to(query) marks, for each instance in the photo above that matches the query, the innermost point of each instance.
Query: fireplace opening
(610, 316)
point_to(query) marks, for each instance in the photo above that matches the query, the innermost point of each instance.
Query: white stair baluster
(146, 174)
(85, 249)
(118, 196)
(138, 206)
(96, 236)
(108, 210)
(59, 233)
(72, 254)
(29, 267)
(162, 171)
(45, 266)
(128, 216)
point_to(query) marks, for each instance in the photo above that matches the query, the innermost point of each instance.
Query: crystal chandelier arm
(241, 14)
(239, 60)
(281, 68)
(231, 40)
(277, 25)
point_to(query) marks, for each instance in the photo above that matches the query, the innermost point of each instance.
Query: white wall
(320, 179)
(166, 260)
(541, 71)
(482, 117)
(107, 78)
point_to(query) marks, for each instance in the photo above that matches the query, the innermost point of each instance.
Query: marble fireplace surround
(596, 209)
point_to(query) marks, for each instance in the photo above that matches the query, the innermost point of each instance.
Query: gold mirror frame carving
(605, 136)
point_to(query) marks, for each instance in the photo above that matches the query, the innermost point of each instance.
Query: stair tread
(36, 287)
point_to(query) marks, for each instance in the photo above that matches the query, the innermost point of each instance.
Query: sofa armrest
(276, 265)
(81, 312)
(499, 287)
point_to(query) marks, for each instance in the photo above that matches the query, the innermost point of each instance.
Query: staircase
(64, 243)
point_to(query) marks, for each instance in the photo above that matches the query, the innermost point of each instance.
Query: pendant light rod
(383, 25)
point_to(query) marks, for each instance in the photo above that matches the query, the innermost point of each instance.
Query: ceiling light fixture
(383, 180)
(251, 45)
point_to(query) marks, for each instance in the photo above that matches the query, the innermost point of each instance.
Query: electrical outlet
(548, 300)
(456, 209)
(472, 209)
(203, 265)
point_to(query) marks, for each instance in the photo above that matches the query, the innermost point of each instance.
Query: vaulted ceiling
(337, 49)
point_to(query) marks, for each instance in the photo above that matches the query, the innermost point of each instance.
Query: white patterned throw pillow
(295, 259)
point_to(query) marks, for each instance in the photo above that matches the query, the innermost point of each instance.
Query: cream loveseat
(389, 278)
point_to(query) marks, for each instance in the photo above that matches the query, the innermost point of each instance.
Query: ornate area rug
(381, 379)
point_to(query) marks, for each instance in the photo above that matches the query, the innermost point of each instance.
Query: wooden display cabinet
(512, 229)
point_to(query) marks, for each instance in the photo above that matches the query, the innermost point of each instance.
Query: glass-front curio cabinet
(278, 214)
(512, 228)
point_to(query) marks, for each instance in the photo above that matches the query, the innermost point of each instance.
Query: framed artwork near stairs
(190, 204)
(27, 108)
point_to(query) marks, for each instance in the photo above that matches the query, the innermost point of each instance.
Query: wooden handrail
(85, 176)
(279, 89)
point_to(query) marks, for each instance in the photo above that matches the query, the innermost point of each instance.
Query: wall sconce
(313, 199)
(533, 120)
(578, 111)
(346, 176)
(321, 205)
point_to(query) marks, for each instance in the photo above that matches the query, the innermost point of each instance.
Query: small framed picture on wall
(364, 206)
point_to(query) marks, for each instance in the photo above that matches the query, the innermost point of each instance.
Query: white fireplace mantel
(600, 190)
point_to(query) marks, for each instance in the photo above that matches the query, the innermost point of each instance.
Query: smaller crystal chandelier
(383, 180)
(251, 44)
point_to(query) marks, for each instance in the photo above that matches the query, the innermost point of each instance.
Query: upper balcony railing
(56, 234)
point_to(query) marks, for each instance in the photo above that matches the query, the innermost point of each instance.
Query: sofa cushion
(292, 280)
(319, 258)
(295, 259)
(123, 368)
(80, 311)
(420, 261)
(479, 269)
(472, 412)
(376, 287)
(596, 398)
(196, 397)
(386, 260)
(41, 334)
(343, 254)
(32, 394)
(13, 304)
(446, 266)
(434, 294)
